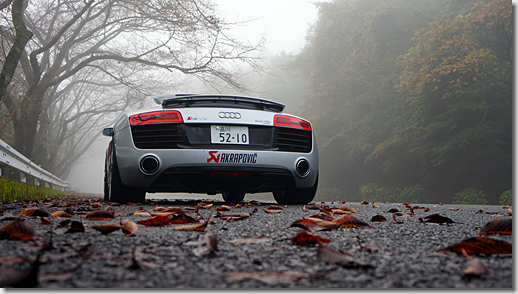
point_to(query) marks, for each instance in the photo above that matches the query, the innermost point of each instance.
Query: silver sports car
(211, 144)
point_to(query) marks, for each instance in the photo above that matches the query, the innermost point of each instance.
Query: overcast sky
(284, 22)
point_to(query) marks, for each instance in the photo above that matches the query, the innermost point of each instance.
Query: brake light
(291, 122)
(156, 117)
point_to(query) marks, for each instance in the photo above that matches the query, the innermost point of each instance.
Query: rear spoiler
(176, 101)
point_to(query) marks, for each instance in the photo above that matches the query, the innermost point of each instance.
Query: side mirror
(108, 132)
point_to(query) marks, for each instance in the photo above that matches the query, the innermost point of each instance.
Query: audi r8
(211, 144)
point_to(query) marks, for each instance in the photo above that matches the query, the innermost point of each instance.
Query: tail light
(156, 117)
(291, 122)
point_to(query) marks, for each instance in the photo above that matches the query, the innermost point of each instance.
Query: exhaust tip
(149, 165)
(302, 167)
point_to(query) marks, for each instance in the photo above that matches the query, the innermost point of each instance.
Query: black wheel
(233, 197)
(296, 196)
(114, 189)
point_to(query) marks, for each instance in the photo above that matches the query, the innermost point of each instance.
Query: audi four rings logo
(233, 115)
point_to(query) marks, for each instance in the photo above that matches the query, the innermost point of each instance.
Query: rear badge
(232, 157)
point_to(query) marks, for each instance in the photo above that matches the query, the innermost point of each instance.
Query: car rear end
(216, 144)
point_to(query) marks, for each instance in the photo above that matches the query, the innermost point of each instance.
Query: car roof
(216, 100)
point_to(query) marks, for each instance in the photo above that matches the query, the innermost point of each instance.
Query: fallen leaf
(156, 221)
(304, 238)
(274, 207)
(436, 218)
(500, 226)
(349, 221)
(141, 213)
(272, 211)
(480, 245)
(45, 221)
(207, 244)
(223, 208)
(34, 211)
(60, 213)
(345, 208)
(18, 278)
(100, 215)
(75, 227)
(269, 278)
(197, 227)
(313, 224)
(510, 212)
(261, 239)
(17, 230)
(332, 256)
(378, 218)
(180, 219)
(129, 228)
(105, 229)
(475, 268)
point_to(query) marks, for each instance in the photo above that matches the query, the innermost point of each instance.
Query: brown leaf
(378, 218)
(180, 219)
(100, 215)
(269, 278)
(272, 211)
(105, 229)
(475, 269)
(207, 244)
(223, 208)
(500, 226)
(436, 218)
(348, 221)
(510, 212)
(197, 227)
(35, 211)
(75, 227)
(156, 221)
(314, 224)
(17, 230)
(345, 208)
(304, 238)
(274, 207)
(233, 217)
(129, 228)
(481, 245)
(14, 277)
(261, 239)
(60, 213)
(332, 256)
(141, 213)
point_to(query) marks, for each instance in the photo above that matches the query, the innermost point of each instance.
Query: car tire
(233, 197)
(296, 196)
(114, 189)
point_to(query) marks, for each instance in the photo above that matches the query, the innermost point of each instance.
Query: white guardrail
(29, 172)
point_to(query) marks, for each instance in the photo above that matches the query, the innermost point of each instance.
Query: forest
(411, 101)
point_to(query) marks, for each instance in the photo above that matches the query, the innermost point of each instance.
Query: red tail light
(156, 117)
(291, 122)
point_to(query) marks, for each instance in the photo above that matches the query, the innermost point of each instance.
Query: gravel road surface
(255, 252)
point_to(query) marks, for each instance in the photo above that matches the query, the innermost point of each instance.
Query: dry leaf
(34, 211)
(156, 221)
(332, 256)
(378, 218)
(129, 228)
(481, 245)
(475, 269)
(105, 229)
(100, 215)
(345, 208)
(141, 213)
(196, 227)
(60, 213)
(304, 238)
(261, 239)
(269, 278)
(348, 221)
(75, 227)
(17, 230)
(501, 226)
(207, 244)
(436, 218)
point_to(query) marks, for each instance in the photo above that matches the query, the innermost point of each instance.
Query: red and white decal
(225, 157)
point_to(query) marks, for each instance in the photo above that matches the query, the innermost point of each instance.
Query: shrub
(413, 194)
(372, 192)
(13, 190)
(507, 198)
(470, 196)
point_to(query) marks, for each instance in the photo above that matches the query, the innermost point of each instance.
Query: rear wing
(178, 101)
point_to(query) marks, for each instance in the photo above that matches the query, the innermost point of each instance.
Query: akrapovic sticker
(231, 157)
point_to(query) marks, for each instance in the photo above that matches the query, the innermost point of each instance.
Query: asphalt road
(256, 252)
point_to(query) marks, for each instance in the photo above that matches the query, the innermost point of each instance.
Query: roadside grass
(11, 191)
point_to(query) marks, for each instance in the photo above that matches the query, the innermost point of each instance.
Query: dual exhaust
(150, 164)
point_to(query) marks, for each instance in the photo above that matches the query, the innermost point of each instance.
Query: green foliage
(13, 190)
(413, 194)
(507, 198)
(330, 194)
(470, 196)
(404, 92)
(372, 192)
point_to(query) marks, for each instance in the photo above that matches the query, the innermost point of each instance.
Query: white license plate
(229, 135)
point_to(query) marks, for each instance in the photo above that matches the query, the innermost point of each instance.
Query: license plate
(229, 135)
